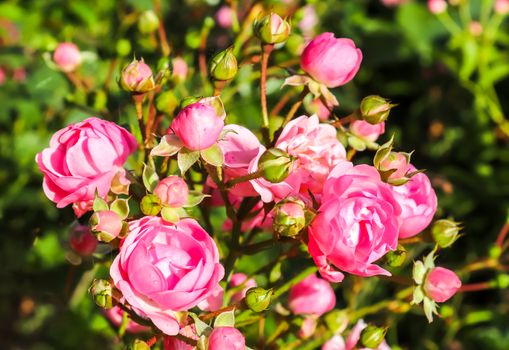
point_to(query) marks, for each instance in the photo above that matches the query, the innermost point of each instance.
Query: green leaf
(121, 207)
(225, 319)
(186, 159)
(419, 272)
(100, 204)
(170, 215)
(201, 327)
(169, 145)
(194, 199)
(213, 155)
(150, 177)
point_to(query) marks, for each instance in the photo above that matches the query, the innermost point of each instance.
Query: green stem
(244, 178)
(266, 51)
(285, 287)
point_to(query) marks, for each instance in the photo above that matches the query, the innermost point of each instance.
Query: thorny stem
(266, 51)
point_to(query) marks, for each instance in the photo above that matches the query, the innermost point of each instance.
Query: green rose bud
(271, 29)
(275, 165)
(372, 336)
(102, 292)
(223, 66)
(445, 232)
(289, 217)
(396, 257)
(258, 299)
(375, 109)
(150, 205)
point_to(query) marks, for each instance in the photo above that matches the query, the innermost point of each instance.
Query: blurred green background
(451, 85)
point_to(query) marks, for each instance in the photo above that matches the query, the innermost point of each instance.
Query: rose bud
(441, 284)
(3, 76)
(271, 29)
(502, 7)
(223, 66)
(223, 338)
(258, 299)
(82, 241)
(240, 279)
(67, 57)
(275, 165)
(106, 225)
(355, 336)
(308, 327)
(372, 336)
(331, 61)
(437, 6)
(312, 296)
(445, 232)
(375, 109)
(102, 292)
(180, 69)
(148, 22)
(289, 217)
(172, 191)
(224, 17)
(137, 77)
(198, 126)
(367, 131)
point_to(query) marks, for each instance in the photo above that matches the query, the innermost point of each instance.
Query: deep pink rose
(67, 57)
(238, 279)
(163, 268)
(172, 343)
(357, 223)
(223, 338)
(367, 131)
(84, 158)
(334, 343)
(331, 61)
(224, 17)
(172, 191)
(198, 126)
(116, 314)
(312, 296)
(441, 284)
(82, 241)
(437, 6)
(355, 336)
(418, 204)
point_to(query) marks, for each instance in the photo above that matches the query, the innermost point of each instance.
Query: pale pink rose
(391, 3)
(418, 203)
(355, 336)
(367, 131)
(172, 191)
(223, 338)
(107, 222)
(224, 17)
(317, 107)
(238, 279)
(502, 7)
(198, 126)
(441, 284)
(312, 296)
(163, 268)
(309, 20)
(308, 326)
(437, 6)
(357, 223)
(84, 158)
(214, 301)
(180, 68)
(172, 343)
(135, 73)
(240, 146)
(334, 343)
(116, 314)
(3, 76)
(331, 61)
(82, 241)
(67, 57)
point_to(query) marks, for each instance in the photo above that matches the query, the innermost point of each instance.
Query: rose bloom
(367, 131)
(172, 191)
(82, 241)
(84, 158)
(223, 338)
(224, 17)
(238, 279)
(163, 268)
(312, 296)
(214, 301)
(441, 284)
(172, 343)
(331, 61)
(357, 223)
(198, 126)
(116, 314)
(355, 336)
(418, 204)
(67, 57)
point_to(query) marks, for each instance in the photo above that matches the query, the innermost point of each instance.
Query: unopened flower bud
(441, 284)
(375, 109)
(139, 345)
(445, 232)
(82, 241)
(289, 217)
(397, 257)
(172, 191)
(102, 292)
(258, 299)
(67, 57)
(372, 336)
(223, 66)
(437, 6)
(275, 165)
(271, 29)
(150, 205)
(137, 77)
(106, 225)
(148, 22)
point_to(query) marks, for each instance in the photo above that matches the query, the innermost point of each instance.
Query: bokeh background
(451, 84)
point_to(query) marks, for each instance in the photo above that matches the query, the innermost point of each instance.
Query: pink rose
(309, 20)
(437, 6)
(502, 7)
(180, 68)
(418, 204)
(367, 131)
(136, 73)
(441, 284)
(107, 224)
(331, 61)
(198, 126)
(84, 158)
(398, 162)
(334, 343)
(357, 223)
(317, 107)
(67, 57)
(172, 191)
(224, 17)
(308, 326)
(312, 296)
(116, 314)
(240, 279)
(223, 338)
(163, 268)
(172, 343)
(214, 301)
(355, 336)
(82, 241)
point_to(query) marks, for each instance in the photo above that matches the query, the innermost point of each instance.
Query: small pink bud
(240, 279)
(67, 57)
(180, 68)
(82, 241)
(502, 7)
(172, 191)
(398, 161)
(3, 77)
(441, 284)
(367, 131)
(475, 28)
(317, 107)
(224, 17)
(308, 327)
(19, 74)
(223, 338)
(137, 77)
(312, 296)
(106, 224)
(437, 6)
